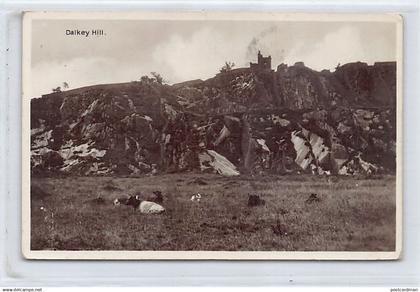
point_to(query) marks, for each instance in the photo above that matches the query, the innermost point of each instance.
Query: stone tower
(264, 63)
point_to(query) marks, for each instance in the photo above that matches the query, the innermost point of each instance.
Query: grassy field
(351, 215)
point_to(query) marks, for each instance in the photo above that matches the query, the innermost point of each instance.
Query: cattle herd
(151, 205)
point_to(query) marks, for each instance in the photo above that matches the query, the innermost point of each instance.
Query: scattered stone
(312, 199)
(211, 160)
(255, 200)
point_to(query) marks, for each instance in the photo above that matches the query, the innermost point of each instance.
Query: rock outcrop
(293, 119)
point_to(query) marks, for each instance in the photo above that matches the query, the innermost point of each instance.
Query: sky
(182, 50)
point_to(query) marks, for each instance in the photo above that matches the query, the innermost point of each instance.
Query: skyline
(184, 50)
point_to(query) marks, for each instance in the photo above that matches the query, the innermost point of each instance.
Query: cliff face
(293, 119)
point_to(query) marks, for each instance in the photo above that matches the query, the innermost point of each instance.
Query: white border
(201, 255)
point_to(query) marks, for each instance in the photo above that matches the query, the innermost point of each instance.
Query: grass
(353, 214)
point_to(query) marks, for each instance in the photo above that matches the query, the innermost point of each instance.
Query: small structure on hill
(264, 63)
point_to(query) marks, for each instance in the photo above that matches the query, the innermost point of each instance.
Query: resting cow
(146, 207)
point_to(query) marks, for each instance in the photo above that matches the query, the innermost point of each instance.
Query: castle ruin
(263, 64)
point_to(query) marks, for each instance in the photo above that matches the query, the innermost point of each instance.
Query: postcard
(211, 135)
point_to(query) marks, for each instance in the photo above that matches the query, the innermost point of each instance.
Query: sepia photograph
(211, 135)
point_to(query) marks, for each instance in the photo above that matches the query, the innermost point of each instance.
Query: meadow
(348, 214)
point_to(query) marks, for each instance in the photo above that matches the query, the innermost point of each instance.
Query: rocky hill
(246, 120)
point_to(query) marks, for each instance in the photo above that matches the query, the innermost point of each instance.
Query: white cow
(148, 207)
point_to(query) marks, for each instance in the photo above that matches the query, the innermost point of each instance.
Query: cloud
(318, 50)
(200, 55)
(322, 48)
(341, 46)
(186, 51)
(269, 41)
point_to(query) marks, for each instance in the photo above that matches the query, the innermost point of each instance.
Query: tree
(57, 89)
(338, 66)
(227, 67)
(65, 85)
(145, 79)
(158, 78)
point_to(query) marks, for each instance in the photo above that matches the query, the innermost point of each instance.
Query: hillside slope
(293, 119)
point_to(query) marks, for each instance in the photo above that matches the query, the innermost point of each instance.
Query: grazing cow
(133, 201)
(157, 197)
